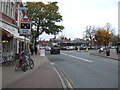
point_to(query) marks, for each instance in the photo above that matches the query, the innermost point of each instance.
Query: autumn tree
(103, 37)
(44, 18)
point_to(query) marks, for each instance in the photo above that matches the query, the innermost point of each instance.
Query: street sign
(25, 19)
(25, 26)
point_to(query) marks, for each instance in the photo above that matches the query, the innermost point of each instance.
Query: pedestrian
(36, 51)
(32, 50)
(117, 50)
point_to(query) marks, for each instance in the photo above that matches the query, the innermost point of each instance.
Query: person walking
(32, 50)
(117, 50)
(36, 50)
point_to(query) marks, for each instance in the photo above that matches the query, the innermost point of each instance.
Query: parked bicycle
(24, 62)
(7, 60)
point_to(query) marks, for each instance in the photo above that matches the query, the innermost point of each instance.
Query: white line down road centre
(77, 57)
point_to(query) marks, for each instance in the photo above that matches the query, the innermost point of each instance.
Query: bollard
(78, 50)
(86, 49)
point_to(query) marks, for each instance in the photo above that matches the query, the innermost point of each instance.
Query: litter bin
(107, 52)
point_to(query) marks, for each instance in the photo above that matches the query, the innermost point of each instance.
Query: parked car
(55, 49)
(47, 48)
(113, 47)
(101, 49)
(70, 48)
(63, 48)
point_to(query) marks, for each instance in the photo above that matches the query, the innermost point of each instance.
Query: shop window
(5, 47)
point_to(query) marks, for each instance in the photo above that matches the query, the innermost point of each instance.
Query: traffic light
(25, 25)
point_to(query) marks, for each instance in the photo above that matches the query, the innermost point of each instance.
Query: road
(85, 70)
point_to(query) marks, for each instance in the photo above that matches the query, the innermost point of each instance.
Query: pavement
(113, 54)
(42, 76)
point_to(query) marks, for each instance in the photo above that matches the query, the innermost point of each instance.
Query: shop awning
(12, 31)
(15, 35)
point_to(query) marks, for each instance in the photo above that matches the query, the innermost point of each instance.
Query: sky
(77, 14)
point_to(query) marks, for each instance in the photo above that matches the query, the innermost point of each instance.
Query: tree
(115, 39)
(89, 33)
(103, 37)
(44, 18)
(109, 28)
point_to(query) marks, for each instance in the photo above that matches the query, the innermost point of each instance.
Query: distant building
(63, 42)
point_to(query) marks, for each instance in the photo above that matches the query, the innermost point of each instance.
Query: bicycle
(7, 59)
(24, 62)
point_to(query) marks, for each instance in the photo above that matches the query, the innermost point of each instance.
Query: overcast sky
(77, 14)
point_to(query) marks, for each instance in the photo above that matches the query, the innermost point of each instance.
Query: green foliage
(45, 17)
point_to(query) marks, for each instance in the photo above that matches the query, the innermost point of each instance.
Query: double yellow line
(69, 85)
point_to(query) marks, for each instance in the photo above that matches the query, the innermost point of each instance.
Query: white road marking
(62, 81)
(77, 57)
(52, 63)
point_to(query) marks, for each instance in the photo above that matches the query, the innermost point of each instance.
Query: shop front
(7, 43)
(10, 41)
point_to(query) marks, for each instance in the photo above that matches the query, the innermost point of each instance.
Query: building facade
(10, 41)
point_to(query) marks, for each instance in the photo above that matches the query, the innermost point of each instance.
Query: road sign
(25, 26)
(25, 19)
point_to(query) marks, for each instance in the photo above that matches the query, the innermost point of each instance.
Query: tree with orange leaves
(103, 37)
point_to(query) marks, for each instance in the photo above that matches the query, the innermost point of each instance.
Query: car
(101, 49)
(63, 48)
(47, 48)
(113, 47)
(55, 49)
(70, 48)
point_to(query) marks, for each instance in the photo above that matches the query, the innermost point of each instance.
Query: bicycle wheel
(24, 67)
(17, 66)
(31, 63)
